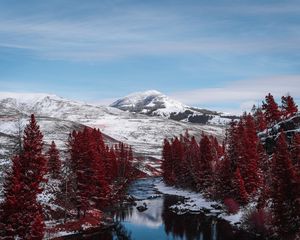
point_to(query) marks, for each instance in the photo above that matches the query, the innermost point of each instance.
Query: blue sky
(224, 55)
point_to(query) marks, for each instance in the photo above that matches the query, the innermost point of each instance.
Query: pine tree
(177, 156)
(192, 156)
(271, 110)
(224, 176)
(232, 144)
(295, 152)
(54, 163)
(89, 180)
(289, 107)
(205, 173)
(260, 121)
(284, 191)
(29, 168)
(10, 209)
(246, 150)
(240, 193)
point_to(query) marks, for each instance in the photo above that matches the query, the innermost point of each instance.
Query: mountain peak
(151, 101)
(155, 103)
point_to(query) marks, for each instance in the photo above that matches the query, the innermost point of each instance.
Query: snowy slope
(144, 133)
(58, 117)
(154, 103)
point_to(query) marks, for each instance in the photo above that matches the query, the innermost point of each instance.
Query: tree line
(95, 174)
(239, 171)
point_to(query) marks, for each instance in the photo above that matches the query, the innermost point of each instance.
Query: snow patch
(195, 202)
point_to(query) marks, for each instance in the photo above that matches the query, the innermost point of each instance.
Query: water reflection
(159, 222)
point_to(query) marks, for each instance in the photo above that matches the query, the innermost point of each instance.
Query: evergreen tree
(284, 191)
(20, 204)
(192, 155)
(88, 167)
(295, 152)
(224, 176)
(240, 193)
(289, 107)
(54, 163)
(260, 121)
(205, 173)
(177, 156)
(271, 110)
(10, 209)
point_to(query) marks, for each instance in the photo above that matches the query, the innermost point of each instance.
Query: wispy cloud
(140, 30)
(244, 93)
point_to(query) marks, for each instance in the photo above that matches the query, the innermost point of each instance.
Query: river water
(159, 222)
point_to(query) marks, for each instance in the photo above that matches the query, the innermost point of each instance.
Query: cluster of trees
(96, 173)
(271, 113)
(189, 164)
(21, 214)
(240, 170)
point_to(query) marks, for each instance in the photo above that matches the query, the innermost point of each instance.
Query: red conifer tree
(295, 152)
(167, 166)
(289, 107)
(88, 167)
(284, 191)
(177, 157)
(192, 155)
(260, 121)
(224, 176)
(271, 110)
(205, 173)
(10, 209)
(240, 193)
(54, 163)
(21, 193)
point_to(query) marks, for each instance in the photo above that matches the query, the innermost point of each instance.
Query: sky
(224, 55)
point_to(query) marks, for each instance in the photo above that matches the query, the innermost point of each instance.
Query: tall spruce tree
(54, 163)
(271, 110)
(289, 107)
(20, 212)
(285, 191)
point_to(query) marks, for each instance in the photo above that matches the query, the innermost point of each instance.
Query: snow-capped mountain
(150, 102)
(58, 117)
(154, 103)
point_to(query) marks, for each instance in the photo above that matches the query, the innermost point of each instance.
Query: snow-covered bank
(195, 202)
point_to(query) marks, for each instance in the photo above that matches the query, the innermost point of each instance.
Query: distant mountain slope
(154, 103)
(58, 117)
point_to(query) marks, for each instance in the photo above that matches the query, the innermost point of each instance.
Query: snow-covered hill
(149, 102)
(58, 117)
(154, 103)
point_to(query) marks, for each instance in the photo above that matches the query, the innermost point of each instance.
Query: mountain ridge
(155, 103)
(58, 117)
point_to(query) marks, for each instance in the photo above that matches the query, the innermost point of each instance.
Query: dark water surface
(159, 222)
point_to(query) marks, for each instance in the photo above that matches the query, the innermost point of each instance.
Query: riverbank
(195, 202)
(170, 213)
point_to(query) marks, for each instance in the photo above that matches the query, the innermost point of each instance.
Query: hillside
(154, 103)
(58, 117)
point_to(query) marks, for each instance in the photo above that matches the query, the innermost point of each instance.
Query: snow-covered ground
(144, 133)
(195, 202)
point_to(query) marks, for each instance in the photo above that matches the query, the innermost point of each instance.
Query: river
(159, 222)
